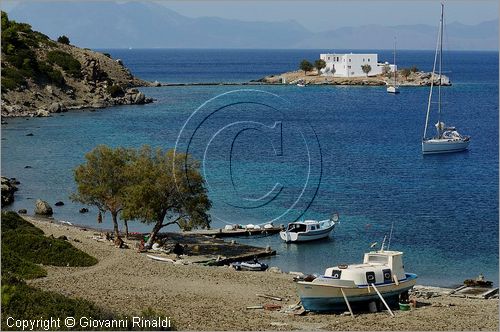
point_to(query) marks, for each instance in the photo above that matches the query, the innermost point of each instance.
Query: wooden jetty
(220, 232)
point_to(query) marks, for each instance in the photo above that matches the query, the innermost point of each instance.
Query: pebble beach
(198, 297)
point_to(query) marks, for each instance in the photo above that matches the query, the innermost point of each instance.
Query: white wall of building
(349, 65)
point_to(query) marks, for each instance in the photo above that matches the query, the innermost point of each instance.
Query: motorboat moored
(308, 230)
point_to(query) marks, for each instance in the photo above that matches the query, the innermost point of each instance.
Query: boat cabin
(378, 267)
(304, 226)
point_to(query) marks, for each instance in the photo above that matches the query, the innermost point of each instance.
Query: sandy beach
(199, 297)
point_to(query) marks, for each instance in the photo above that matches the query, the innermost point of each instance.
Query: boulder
(139, 98)
(59, 203)
(22, 211)
(42, 113)
(8, 189)
(56, 108)
(84, 210)
(43, 208)
(156, 83)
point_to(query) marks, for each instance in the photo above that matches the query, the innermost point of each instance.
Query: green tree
(167, 189)
(319, 64)
(102, 180)
(63, 40)
(405, 72)
(366, 69)
(305, 66)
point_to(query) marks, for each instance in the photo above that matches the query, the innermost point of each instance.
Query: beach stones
(43, 208)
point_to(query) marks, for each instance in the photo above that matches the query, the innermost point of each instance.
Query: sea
(283, 153)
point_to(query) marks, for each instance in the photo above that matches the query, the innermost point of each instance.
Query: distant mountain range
(100, 24)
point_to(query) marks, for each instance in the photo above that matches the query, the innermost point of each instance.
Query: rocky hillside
(41, 76)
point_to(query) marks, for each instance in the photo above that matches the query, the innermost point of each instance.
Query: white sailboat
(447, 139)
(394, 88)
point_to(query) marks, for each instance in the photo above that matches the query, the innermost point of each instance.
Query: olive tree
(319, 64)
(306, 66)
(168, 188)
(366, 69)
(101, 181)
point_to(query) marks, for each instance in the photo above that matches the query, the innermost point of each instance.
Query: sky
(325, 15)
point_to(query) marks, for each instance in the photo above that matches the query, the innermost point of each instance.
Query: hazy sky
(324, 15)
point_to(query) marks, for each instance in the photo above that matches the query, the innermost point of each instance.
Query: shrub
(66, 61)
(115, 91)
(29, 243)
(12, 78)
(405, 72)
(25, 302)
(414, 69)
(63, 40)
(13, 265)
(52, 74)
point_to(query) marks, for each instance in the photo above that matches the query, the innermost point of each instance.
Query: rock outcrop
(417, 78)
(43, 208)
(8, 190)
(61, 77)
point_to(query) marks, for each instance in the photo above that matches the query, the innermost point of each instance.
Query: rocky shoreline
(413, 79)
(41, 76)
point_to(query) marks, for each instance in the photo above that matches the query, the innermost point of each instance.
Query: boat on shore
(309, 230)
(379, 279)
(447, 139)
(250, 266)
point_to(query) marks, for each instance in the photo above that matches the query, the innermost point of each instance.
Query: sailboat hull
(392, 89)
(435, 146)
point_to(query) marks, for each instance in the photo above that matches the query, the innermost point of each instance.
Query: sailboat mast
(395, 62)
(432, 84)
(440, 68)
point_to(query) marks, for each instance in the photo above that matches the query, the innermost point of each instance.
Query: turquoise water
(364, 157)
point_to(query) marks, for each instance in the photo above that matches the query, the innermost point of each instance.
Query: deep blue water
(364, 156)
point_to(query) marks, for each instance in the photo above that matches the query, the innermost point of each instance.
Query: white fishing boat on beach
(309, 230)
(447, 139)
(380, 279)
(301, 83)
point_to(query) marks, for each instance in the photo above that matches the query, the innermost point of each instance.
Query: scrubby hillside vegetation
(41, 76)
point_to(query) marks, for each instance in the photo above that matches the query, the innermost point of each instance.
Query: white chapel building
(349, 65)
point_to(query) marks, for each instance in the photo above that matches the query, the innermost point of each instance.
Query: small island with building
(353, 69)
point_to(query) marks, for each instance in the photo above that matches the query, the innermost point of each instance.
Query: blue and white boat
(381, 277)
(309, 230)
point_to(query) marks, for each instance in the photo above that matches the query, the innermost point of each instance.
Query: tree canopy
(102, 180)
(305, 66)
(63, 40)
(319, 64)
(167, 188)
(366, 69)
(148, 185)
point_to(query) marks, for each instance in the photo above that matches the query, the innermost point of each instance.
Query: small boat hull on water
(392, 89)
(309, 230)
(436, 145)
